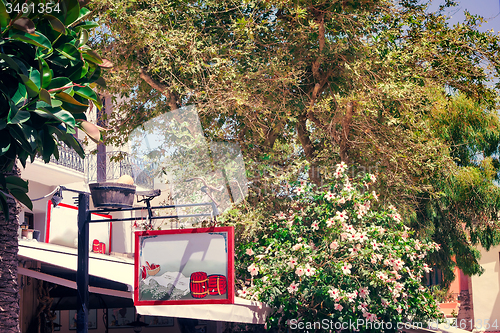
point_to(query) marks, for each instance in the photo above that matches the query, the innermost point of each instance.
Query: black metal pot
(112, 195)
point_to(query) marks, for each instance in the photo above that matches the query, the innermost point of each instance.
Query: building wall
(485, 291)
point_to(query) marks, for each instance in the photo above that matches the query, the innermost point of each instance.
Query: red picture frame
(173, 255)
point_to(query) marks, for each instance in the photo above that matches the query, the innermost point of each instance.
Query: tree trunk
(9, 289)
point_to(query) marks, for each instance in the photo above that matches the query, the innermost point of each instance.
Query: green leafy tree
(48, 76)
(302, 84)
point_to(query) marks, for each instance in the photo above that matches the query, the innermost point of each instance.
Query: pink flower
(299, 271)
(299, 190)
(385, 303)
(363, 307)
(292, 263)
(342, 166)
(370, 316)
(315, 226)
(281, 216)
(427, 269)
(293, 288)
(364, 292)
(309, 270)
(399, 309)
(250, 252)
(338, 307)
(296, 247)
(254, 270)
(334, 293)
(329, 196)
(352, 296)
(330, 222)
(334, 245)
(382, 276)
(346, 268)
(244, 292)
(373, 178)
(342, 216)
(348, 187)
(342, 200)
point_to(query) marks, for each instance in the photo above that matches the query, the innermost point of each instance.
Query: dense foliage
(48, 73)
(386, 86)
(334, 255)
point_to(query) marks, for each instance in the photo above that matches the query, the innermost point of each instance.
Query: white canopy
(122, 270)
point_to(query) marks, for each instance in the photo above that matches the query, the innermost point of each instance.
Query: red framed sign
(62, 228)
(184, 266)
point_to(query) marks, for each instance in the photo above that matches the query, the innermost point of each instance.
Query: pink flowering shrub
(331, 256)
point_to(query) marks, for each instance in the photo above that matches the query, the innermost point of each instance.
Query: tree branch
(309, 150)
(163, 89)
(346, 127)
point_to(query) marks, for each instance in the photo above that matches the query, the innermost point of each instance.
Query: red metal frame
(230, 266)
(49, 210)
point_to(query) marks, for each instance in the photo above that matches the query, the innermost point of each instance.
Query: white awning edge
(71, 284)
(101, 265)
(243, 311)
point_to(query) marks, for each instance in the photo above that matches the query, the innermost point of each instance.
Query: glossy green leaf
(4, 16)
(21, 94)
(48, 145)
(47, 73)
(79, 71)
(66, 98)
(4, 144)
(31, 87)
(69, 51)
(85, 25)
(12, 182)
(17, 116)
(35, 78)
(22, 198)
(70, 11)
(88, 93)
(92, 56)
(9, 61)
(58, 83)
(61, 115)
(17, 132)
(83, 37)
(36, 38)
(45, 97)
(56, 24)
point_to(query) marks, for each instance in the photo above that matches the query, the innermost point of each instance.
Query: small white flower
(292, 263)
(315, 225)
(346, 268)
(373, 178)
(334, 245)
(329, 196)
(250, 252)
(293, 288)
(309, 271)
(254, 270)
(299, 271)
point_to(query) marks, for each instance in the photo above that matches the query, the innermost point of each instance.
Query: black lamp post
(82, 272)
